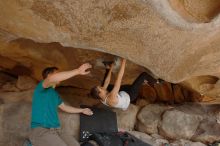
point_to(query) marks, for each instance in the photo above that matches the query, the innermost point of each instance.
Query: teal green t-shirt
(45, 102)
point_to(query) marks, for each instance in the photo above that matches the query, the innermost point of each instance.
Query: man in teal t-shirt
(45, 122)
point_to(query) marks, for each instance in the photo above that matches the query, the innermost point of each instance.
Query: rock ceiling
(177, 40)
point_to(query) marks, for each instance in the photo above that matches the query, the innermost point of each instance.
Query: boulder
(207, 131)
(149, 118)
(126, 119)
(150, 33)
(176, 124)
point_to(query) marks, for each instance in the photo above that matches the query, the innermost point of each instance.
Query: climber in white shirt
(118, 96)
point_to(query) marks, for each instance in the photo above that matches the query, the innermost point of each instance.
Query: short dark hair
(95, 92)
(47, 71)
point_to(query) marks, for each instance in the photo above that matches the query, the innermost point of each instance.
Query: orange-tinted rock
(4, 78)
(164, 92)
(9, 87)
(191, 96)
(1, 101)
(25, 83)
(141, 102)
(169, 93)
(178, 94)
(14, 97)
(148, 93)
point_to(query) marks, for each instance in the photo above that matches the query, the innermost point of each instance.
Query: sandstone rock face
(9, 87)
(175, 40)
(4, 78)
(25, 83)
(196, 11)
(27, 58)
(9, 97)
(131, 27)
(203, 84)
(15, 121)
(152, 33)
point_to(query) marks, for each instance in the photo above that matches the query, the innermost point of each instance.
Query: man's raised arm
(61, 76)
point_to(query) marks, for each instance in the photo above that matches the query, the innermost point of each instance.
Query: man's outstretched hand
(87, 111)
(82, 69)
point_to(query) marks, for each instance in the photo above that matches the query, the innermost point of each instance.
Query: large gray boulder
(149, 118)
(207, 132)
(127, 119)
(176, 124)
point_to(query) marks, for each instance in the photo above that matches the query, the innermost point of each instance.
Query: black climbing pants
(134, 88)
